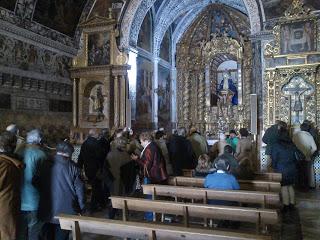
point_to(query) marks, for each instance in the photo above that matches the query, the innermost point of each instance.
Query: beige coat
(244, 152)
(10, 182)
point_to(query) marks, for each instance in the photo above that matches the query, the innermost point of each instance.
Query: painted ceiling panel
(60, 15)
(8, 4)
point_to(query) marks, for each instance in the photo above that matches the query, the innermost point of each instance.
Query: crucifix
(298, 88)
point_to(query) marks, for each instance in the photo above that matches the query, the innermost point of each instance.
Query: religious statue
(227, 90)
(98, 103)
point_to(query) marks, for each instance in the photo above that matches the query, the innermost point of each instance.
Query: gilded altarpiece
(202, 49)
(292, 83)
(100, 82)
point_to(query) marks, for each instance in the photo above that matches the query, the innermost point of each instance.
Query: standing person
(306, 144)
(91, 158)
(233, 140)
(152, 164)
(180, 152)
(117, 157)
(270, 138)
(198, 142)
(284, 161)
(10, 182)
(13, 128)
(217, 149)
(62, 190)
(33, 157)
(244, 152)
(161, 142)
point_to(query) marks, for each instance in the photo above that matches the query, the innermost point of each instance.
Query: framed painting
(99, 49)
(298, 37)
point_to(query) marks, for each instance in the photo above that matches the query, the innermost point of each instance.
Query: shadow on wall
(54, 126)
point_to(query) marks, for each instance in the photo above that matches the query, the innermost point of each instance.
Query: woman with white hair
(32, 156)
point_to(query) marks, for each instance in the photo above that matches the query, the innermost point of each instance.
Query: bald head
(93, 133)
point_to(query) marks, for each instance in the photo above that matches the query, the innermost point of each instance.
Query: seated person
(204, 166)
(230, 159)
(222, 180)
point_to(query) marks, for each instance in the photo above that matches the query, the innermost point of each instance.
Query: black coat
(91, 157)
(181, 154)
(61, 188)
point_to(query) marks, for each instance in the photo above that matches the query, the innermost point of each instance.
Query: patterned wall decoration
(165, 52)
(61, 15)
(276, 8)
(18, 54)
(144, 92)
(145, 34)
(164, 97)
(102, 7)
(8, 4)
(25, 8)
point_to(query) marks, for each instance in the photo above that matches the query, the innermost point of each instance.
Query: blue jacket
(221, 181)
(284, 161)
(62, 189)
(32, 157)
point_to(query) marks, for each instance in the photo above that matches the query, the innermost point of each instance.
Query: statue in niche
(227, 90)
(97, 100)
(298, 88)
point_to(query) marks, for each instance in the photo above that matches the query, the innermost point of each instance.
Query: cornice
(25, 35)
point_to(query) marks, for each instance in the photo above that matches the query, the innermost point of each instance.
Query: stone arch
(137, 10)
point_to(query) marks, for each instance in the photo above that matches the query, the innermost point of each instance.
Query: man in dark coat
(270, 138)
(91, 158)
(11, 171)
(180, 152)
(62, 190)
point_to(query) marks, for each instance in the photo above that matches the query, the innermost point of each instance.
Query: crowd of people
(37, 184)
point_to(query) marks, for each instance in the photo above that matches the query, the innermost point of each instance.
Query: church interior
(224, 69)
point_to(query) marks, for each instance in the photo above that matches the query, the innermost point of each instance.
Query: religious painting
(60, 15)
(145, 34)
(298, 37)
(165, 46)
(164, 96)
(99, 49)
(221, 25)
(8, 4)
(144, 92)
(276, 8)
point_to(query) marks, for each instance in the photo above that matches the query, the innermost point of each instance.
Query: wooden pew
(275, 177)
(252, 215)
(265, 199)
(253, 185)
(151, 231)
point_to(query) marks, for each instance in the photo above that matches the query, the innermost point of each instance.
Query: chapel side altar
(100, 82)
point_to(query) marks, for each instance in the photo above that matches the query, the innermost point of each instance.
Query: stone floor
(301, 223)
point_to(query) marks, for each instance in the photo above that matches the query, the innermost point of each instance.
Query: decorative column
(186, 98)
(75, 102)
(116, 100)
(123, 99)
(155, 92)
(174, 97)
(132, 79)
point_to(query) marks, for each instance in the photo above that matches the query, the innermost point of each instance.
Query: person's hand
(134, 157)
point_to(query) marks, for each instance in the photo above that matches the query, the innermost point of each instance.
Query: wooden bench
(275, 177)
(254, 185)
(265, 199)
(252, 215)
(151, 231)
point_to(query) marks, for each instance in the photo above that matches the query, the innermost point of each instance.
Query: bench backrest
(254, 185)
(252, 215)
(136, 230)
(275, 177)
(254, 197)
